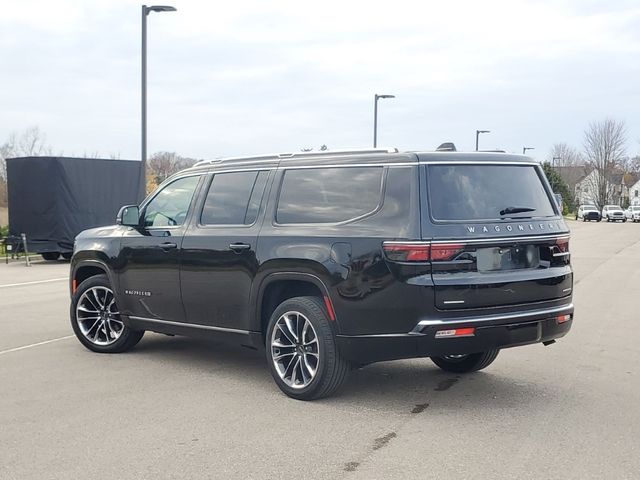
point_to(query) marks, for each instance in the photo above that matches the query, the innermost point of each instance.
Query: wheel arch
(280, 286)
(85, 269)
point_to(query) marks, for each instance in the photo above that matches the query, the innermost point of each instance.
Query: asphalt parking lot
(186, 409)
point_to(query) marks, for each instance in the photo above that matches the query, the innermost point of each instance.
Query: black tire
(600, 219)
(127, 339)
(67, 255)
(584, 219)
(331, 368)
(467, 363)
(624, 220)
(50, 256)
(608, 219)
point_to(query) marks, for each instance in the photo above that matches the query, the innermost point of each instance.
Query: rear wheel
(50, 256)
(96, 321)
(301, 350)
(466, 363)
(67, 255)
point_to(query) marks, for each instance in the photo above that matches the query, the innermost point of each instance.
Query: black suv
(335, 260)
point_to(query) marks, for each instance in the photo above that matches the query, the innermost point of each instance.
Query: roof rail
(319, 153)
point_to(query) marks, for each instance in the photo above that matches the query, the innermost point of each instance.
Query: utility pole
(143, 153)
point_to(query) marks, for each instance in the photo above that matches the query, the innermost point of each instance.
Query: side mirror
(128, 215)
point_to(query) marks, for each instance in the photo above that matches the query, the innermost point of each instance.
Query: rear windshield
(486, 192)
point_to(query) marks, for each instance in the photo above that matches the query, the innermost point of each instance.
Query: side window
(234, 198)
(170, 206)
(328, 195)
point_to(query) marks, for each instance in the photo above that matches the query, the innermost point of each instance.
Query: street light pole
(478, 132)
(553, 161)
(143, 107)
(375, 117)
(524, 149)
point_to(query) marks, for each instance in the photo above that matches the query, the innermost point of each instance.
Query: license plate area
(492, 259)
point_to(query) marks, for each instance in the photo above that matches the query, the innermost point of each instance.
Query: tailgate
(501, 272)
(496, 235)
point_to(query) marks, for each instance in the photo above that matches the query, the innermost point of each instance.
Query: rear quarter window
(468, 192)
(328, 195)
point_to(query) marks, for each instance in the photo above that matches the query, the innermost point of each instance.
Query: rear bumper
(491, 332)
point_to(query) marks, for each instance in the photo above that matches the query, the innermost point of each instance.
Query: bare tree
(569, 163)
(564, 155)
(162, 165)
(604, 145)
(32, 142)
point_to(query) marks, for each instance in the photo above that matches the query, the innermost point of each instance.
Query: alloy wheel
(294, 349)
(98, 316)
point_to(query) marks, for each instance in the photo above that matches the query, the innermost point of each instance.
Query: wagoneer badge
(139, 293)
(521, 227)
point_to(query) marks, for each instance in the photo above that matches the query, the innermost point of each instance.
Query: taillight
(421, 252)
(563, 245)
(445, 251)
(407, 252)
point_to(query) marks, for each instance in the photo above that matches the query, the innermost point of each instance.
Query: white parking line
(35, 344)
(34, 283)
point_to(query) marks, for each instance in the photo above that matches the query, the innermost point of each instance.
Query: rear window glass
(482, 192)
(328, 195)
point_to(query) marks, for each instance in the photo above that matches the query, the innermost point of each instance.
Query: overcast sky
(247, 77)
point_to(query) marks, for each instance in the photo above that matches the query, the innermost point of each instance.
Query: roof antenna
(447, 147)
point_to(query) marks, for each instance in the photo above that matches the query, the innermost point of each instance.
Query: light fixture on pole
(524, 149)
(478, 132)
(143, 154)
(375, 117)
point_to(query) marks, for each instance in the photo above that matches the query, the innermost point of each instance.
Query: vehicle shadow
(403, 386)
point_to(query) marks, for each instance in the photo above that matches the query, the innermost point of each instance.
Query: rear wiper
(510, 210)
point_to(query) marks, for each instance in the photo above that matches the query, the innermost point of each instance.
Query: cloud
(251, 77)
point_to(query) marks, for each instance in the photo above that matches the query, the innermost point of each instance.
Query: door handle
(239, 247)
(168, 246)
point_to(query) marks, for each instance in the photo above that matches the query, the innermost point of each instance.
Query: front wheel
(466, 363)
(96, 321)
(301, 350)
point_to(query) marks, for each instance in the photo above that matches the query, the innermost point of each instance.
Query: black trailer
(52, 199)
